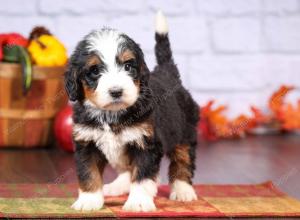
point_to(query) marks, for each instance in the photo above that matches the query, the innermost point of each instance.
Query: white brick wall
(231, 35)
(237, 51)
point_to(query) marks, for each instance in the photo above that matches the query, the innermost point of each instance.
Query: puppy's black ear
(72, 84)
(143, 68)
(144, 71)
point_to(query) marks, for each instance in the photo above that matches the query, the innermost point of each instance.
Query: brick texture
(234, 51)
(236, 35)
(282, 34)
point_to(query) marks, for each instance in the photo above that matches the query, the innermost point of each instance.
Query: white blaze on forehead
(106, 43)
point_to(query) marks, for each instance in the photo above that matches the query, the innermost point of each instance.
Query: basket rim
(13, 70)
(28, 113)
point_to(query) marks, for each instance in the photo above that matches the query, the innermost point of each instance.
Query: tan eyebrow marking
(126, 55)
(93, 60)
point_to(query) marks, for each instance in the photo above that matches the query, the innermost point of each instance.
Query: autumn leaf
(290, 116)
(240, 125)
(214, 124)
(276, 101)
(258, 117)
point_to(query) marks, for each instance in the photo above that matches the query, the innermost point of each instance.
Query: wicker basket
(26, 120)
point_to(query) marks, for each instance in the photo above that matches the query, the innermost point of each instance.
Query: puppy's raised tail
(163, 50)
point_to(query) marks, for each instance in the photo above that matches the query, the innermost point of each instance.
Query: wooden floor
(249, 160)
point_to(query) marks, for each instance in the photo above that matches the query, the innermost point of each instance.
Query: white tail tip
(161, 25)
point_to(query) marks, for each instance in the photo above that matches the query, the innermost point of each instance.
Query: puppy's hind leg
(119, 186)
(181, 172)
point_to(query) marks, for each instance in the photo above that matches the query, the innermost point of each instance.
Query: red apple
(63, 129)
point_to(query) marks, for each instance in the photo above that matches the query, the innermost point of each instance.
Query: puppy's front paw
(141, 197)
(182, 191)
(139, 204)
(89, 201)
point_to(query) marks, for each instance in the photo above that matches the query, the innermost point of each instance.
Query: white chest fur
(111, 144)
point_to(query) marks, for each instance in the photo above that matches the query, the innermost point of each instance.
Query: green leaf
(26, 68)
(18, 54)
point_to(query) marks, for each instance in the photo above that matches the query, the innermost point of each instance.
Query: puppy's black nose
(116, 92)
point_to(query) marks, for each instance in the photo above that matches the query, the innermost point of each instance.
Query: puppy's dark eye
(128, 66)
(94, 71)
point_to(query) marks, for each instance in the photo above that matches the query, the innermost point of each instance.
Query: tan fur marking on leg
(180, 163)
(94, 182)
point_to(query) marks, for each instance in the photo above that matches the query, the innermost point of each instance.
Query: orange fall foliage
(214, 124)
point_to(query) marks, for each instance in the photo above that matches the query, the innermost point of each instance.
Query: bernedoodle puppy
(129, 117)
